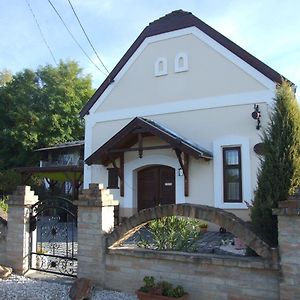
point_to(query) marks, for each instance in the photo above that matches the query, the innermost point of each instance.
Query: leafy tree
(5, 77)
(40, 108)
(279, 174)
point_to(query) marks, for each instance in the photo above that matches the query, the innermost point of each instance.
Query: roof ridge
(174, 13)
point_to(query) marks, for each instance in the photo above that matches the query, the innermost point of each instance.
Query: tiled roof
(127, 137)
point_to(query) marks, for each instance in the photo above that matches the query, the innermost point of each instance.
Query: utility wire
(41, 32)
(74, 39)
(87, 37)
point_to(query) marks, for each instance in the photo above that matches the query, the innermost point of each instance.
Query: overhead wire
(73, 37)
(41, 32)
(88, 39)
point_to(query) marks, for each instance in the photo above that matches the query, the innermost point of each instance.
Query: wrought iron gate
(53, 238)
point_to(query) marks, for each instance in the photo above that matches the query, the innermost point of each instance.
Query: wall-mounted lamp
(256, 116)
(180, 172)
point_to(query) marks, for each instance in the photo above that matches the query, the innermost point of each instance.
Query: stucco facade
(187, 82)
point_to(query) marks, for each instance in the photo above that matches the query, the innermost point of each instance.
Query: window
(161, 67)
(181, 62)
(113, 180)
(232, 174)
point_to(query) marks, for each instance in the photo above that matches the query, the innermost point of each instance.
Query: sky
(268, 29)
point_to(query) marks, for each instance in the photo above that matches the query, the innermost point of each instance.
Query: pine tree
(279, 173)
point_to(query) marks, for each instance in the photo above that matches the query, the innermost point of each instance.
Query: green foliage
(5, 77)
(279, 174)
(9, 180)
(148, 284)
(173, 233)
(40, 108)
(3, 204)
(163, 288)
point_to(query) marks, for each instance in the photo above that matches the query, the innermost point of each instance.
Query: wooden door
(156, 186)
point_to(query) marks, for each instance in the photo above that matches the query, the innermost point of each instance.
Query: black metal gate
(53, 238)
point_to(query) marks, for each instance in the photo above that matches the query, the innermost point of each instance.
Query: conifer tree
(279, 173)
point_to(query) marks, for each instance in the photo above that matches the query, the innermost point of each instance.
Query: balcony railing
(57, 163)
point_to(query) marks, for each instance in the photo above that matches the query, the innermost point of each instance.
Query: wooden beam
(120, 172)
(140, 137)
(179, 157)
(137, 149)
(184, 164)
(186, 175)
(122, 175)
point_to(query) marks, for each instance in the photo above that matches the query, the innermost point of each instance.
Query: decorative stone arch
(214, 215)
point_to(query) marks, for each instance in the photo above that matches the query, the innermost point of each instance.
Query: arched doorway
(156, 185)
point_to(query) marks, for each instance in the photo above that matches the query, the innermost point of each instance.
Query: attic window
(181, 62)
(161, 67)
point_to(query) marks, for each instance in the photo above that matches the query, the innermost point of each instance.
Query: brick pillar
(289, 247)
(17, 244)
(91, 242)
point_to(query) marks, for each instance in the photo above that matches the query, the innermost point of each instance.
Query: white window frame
(177, 67)
(218, 145)
(164, 70)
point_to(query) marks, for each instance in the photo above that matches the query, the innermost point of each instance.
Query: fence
(204, 276)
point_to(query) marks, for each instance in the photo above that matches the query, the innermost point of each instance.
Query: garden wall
(203, 276)
(3, 234)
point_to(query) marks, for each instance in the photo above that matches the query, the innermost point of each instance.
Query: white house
(179, 119)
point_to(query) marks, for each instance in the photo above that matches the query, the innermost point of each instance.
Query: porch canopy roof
(134, 132)
(57, 173)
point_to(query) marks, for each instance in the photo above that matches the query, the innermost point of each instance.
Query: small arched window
(161, 67)
(181, 62)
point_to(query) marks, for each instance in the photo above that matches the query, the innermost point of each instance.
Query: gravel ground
(22, 288)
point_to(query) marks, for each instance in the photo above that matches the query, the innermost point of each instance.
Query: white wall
(210, 103)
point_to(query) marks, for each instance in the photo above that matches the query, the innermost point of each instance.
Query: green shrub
(163, 288)
(173, 233)
(279, 173)
(3, 204)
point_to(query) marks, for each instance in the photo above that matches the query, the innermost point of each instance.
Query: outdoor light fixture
(256, 116)
(180, 172)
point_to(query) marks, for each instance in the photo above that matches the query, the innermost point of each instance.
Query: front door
(156, 186)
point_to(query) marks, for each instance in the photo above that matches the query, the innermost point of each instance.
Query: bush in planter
(173, 233)
(160, 290)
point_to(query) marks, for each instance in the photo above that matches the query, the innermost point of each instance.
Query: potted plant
(203, 227)
(161, 290)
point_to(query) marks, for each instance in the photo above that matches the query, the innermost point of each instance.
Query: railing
(56, 163)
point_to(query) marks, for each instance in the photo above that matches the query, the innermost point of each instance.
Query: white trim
(184, 105)
(130, 188)
(177, 67)
(177, 33)
(161, 71)
(228, 141)
(87, 174)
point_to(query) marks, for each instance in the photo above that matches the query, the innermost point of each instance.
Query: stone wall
(3, 234)
(289, 247)
(203, 276)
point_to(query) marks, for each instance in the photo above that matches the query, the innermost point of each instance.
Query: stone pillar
(289, 247)
(17, 244)
(91, 241)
